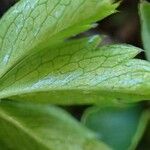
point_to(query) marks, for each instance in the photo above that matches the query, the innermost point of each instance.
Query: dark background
(123, 27)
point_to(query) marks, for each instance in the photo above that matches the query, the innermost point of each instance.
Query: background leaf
(42, 127)
(145, 23)
(120, 128)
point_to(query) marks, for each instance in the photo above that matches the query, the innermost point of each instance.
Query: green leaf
(24, 126)
(33, 25)
(79, 72)
(120, 128)
(145, 23)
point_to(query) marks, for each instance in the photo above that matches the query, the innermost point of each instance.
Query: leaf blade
(34, 25)
(85, 74)
(121, 128)
(42, 127)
